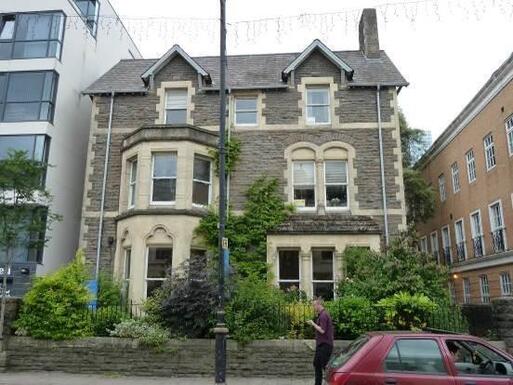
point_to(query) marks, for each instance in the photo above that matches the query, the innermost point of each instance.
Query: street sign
(224, 243)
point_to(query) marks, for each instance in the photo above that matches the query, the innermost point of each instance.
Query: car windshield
(346, 353)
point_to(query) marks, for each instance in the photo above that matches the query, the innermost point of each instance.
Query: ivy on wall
(232, 148)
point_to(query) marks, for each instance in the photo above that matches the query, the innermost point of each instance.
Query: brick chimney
(369, 40)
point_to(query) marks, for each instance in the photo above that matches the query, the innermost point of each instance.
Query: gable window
(485, 289)
(446, 243)
(509, 134)
(505, 284)
(322, 274)
(176, 106)
(489, 148)
(497, 227)
(201, 185)
(89, 10)
(461, 249)
(246, 111)
(164, 177)
(27, 96)
(335, 183)
(441, 187)
(455, 170)
(477, 234)
(132, 182)
(159, 261)
(317, 105)
(288, 269)
(466, 290)
(471, 166)
(434, 246)
(304, 183)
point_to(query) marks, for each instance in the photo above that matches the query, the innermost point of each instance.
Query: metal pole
(220, 330)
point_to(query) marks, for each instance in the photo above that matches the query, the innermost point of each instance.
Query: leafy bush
(404, 311)
(298, 313)
(104, 319)
(55, 306)
(256, 311)
(353, 316)
(109, 291)
(145, 333)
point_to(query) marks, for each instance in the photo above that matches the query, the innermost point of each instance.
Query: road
(57, 378)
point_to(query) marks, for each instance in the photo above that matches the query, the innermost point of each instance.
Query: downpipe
(382, 165)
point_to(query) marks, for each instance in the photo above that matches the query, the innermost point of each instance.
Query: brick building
(471, 167)
(308, 119)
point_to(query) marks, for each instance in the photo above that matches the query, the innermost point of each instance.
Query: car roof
(409, 333)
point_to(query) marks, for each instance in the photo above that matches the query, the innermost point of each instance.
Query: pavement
(58, 378)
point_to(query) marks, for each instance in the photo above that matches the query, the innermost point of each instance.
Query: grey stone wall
(177, 358)
(502, 310)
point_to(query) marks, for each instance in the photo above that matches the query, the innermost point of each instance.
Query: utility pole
(220, 330)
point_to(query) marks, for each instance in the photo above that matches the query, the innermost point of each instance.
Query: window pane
(57, 27)
(164, 190)
(30, 49)
(49, 86)
(18, 143)
(7, 27)
(54, 49)
(176, 99)
(46, 111)
(40, 148)
(318, 114)
(306, 194)
(17, 112)
(33, 26)
(322, 265)
(336, 196)
(246, 118)
(289, 286)
(289, 264)
(200, 193)
(304, 173)
(336, 171)
(201, 169)
(159, 261)
(317, 96)
(25, 86)
(176, 116)
(5, 50)
(164, 165)
(323, 290)
(246, 104)
(416, 355)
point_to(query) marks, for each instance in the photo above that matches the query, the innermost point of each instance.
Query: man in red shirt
(323, 339)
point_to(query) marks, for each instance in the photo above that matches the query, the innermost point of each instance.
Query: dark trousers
(322, 356)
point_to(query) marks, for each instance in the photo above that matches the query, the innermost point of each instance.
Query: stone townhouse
(309, 119)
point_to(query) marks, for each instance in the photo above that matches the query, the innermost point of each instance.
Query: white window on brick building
(246, 111)
(471, 166)
(335, 184)
(304, 184)
(289, 276)
(435, 249)
(446, 244)
(441, 188)
(323, 279)
(509, 134)
(498, 231)
(455, 171)
(466, 290)
(176, 106)
(127, 263)
(505, 284)
(485, 288)
(164, 178)
(489, 148)
(132, 182)
(461, 248)
(476, 228)
(318, 105)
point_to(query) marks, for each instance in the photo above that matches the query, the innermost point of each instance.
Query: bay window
(164, 178)
(202, 181)
(159, 261)
(335, 183)
(304, 184)
(132, 182)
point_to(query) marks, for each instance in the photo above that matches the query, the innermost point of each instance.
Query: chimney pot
(368, 32)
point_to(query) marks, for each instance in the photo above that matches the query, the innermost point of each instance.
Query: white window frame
(473, 232)
(298, 281)
(182, 108)
(467, 298)
(305, 208)
(506, 287)
(332, 281)
(308, 104)
(146, 258)
(424, 244)
(463, 240)
(434, 245)
(471, 166)
(489, 151)
(127, 270)
(492, 225)
(442, 188)
(209, 183)
(255, 98)
(346, 207)
(165, 203)
(509, 134)
(444, 246)
(452, 291)
(455, 171)
(484, 286)
(132, 182)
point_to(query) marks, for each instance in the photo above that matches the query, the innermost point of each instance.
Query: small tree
(24, 214)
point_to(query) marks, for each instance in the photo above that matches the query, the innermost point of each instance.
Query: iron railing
(498, 241)
(477, 246)
(461, 251)
(446, 251)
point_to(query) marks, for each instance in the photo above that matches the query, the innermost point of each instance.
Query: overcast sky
(446, 49)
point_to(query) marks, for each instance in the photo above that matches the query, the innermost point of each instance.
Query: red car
(406, 358)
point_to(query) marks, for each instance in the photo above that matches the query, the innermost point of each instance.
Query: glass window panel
(289, 265)
(17, 143)
(201, 169)
(304, 173)
(57, 27)
(306, 194)
(323, 290)
(16, 112)
(5, 50)
(318, 114)
(33, 26)
(200, 193)
(7, 27)
(176, 99)
(336, 196)
(322, 265)
(318, 96)
(40, 148)
(289, 286)
(246, 104)
(164, 165)
(159, 261)
(48, 88)
(25, 86)
(164, 190)
(176, 116)
(46, 111)
(54, 49)
(415, 355)
(336, 171)
(246, 118)
(30, 49)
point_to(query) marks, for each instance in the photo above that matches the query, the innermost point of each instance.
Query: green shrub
(353, 316)
(104, 319)
(109, 291)
(56, 305)
(256, 311)
(145, 333)
(404, 311)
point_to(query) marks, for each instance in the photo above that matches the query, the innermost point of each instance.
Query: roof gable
(329, 54)
(170, 55)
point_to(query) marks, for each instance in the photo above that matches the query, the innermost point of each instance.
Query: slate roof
(250, 71)
(327, 224)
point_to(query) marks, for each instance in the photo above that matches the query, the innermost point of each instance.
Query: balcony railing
(498, 241)
(446, 251)
(477, 246)
(460, 251)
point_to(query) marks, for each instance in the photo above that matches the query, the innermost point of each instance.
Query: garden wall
(280, 358)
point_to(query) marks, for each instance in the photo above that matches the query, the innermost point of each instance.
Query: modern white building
(50, 51)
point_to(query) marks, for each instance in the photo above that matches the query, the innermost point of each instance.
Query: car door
(414, 361)
(474, 363)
